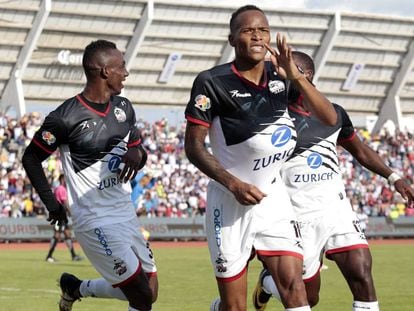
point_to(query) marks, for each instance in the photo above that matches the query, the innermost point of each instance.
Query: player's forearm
(316, 102)
(34, 170)
(369, 159)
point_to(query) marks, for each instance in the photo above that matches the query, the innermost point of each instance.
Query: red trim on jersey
(102, 114)
(298, 110)
(124, 282)
(349, 138)
(232, 278)
(134, 143)
(260, 86)
(279, 253)
(41, 146)
(197, 121)
(345, 249)
(313, 276)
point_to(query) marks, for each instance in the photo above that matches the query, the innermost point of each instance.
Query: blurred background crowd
(169, 186)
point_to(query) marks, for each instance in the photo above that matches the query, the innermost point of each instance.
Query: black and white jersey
(312, 174)
(250, 131)
(91, 145)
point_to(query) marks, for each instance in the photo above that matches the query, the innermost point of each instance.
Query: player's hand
(282, 59)
(246, 194)
(405, 190)
(131, 164)
(58, 216)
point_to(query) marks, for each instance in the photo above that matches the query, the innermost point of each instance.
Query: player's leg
(356, 267)
(229, 236)
(53, 243)
(349, 249)
(69, 243)
(286, 272)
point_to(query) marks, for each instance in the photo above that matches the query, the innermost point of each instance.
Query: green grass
(186, 280)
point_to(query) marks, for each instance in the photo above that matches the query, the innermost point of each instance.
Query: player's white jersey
(91, 145)
(251, 133)
(312, 174)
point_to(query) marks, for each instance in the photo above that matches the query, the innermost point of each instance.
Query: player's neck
(252, 72)
(96, 94)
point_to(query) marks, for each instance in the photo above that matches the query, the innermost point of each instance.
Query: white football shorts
(118, 251)
(233, 230)
(335, 231)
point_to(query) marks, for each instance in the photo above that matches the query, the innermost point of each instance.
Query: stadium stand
(365, 61)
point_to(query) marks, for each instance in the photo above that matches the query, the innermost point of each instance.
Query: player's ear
(104, 72)
(231, 39)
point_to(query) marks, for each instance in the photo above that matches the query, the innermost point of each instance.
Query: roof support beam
(327, 45)
(13, 95)
(139, 35)
(390, 108)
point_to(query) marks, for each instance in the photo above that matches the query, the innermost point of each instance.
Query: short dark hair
(92, 49)
(306, 62)
(248, 7)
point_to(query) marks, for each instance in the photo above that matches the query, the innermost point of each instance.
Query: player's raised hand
(282, 59)
(131, 163)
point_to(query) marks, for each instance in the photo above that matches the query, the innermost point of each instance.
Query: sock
(215, 305)
(53, 243)
(100, 288)
(304, 308)
(365, 305)
(269, 287)
(69, 244)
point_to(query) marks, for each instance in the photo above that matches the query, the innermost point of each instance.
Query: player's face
(117, 72)
(251, 32)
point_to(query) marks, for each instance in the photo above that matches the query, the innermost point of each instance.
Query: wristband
(393, 178)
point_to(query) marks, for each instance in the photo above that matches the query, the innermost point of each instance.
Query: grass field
(186, 280)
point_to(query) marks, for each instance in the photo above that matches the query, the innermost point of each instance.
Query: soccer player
(327, 221)
(96, 132)
(62, 198)
(242, 105)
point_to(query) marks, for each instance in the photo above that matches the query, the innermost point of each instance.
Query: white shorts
(331, 233)
(118, 251)
(233, 230)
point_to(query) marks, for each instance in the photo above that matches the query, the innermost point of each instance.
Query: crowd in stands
(169, 186)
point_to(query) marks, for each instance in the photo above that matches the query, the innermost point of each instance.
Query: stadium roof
(365, 62)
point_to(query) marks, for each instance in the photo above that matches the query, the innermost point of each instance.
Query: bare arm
(369, 159)
(197, 153)
(315, 101)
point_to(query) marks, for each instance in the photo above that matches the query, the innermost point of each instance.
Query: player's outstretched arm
(285, 66)
(369, 159)
(198, 155)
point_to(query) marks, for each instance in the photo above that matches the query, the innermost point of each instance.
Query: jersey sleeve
(347, 131)
(135, 134)
(202, 104)
(51, 134)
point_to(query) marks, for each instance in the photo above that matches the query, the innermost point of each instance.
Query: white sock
(304, 308)
(215, 305)
(269, 287)
(364, 306)
(100, 288)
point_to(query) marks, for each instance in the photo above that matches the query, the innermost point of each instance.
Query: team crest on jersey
(48, 137)
(281, 136)
(202, 102)
(119, 114)
(314, 160)
(276, 86)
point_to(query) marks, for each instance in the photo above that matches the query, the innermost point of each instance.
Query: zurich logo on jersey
(281, 136)
(314, 160)
(113, 164)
